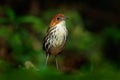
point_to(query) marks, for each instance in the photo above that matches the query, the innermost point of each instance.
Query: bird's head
(57, 19)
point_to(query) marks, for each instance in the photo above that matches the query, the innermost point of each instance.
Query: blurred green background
(92, 51)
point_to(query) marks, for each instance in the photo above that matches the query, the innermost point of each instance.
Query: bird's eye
(58, 18)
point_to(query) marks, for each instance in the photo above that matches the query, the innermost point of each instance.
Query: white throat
(61, 29)
(61, 24)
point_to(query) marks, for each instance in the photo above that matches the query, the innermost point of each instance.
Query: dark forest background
(92, 51)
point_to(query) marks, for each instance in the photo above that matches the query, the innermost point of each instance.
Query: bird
(56, 37)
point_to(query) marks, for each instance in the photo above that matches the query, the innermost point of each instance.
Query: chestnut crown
(57, 19)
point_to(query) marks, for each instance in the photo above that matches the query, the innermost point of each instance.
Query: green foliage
(4, 32)
(37, 22)
(26, 47)
(10, 14)
(113, 32)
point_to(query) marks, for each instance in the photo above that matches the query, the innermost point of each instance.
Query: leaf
(11, 14)
(36, 22)
(3, 20)
(4, 32)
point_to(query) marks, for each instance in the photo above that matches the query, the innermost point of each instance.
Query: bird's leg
(56, 62)
(47, 57)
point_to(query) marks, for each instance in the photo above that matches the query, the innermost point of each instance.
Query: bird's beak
(65, 18)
